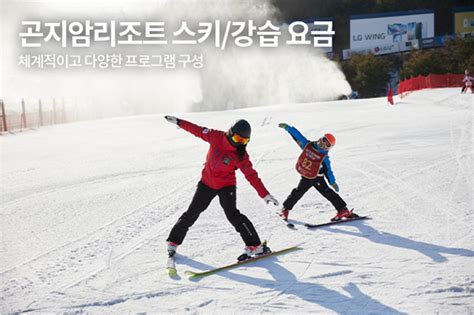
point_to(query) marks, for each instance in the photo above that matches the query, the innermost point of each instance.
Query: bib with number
(309, 161)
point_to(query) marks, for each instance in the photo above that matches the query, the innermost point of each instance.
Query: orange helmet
(331, 139)
(327, 141)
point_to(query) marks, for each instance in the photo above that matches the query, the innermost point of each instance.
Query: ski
(313, 226)
(288, 224)
(195, 275)
(171, 267)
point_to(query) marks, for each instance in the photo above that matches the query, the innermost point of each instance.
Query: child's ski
(313, 226)
(288, 224)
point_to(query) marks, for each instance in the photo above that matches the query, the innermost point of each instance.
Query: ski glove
(335, 186)
(269, 198)
(172, 119)
(283, 125)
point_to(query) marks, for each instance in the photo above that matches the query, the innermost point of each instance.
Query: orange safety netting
(431, 81)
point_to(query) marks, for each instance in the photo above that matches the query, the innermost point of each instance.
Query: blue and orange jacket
(325, 169)
(222, 160)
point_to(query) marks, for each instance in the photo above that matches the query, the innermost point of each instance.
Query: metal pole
(4, 117)
(23, 114)
(63, 113)
(54, 111)
(40, 112)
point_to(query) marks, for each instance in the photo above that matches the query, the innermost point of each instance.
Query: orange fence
(430, 81)
(35, 117)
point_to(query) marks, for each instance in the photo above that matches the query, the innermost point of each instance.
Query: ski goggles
(324, 143)
(239, 140)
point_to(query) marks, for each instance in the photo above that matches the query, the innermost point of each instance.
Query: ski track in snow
(411, 162)
(100, 244)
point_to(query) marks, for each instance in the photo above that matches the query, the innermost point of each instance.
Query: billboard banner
(437, 41)
(464, 20)
(383, 50)
(386, 32)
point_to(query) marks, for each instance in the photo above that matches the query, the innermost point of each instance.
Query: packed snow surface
(86, 209)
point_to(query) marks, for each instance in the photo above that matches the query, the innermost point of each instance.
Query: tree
(455, 57)
(367, 74)
(460, 55)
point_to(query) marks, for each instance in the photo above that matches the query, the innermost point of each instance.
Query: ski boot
(344, 214)
(172, 246)
(284, 214)
(254, 251)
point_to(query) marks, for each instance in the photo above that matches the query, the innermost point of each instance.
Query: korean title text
(115, 33)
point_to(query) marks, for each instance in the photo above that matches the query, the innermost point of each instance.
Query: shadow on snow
(432, 251)
(286, 283)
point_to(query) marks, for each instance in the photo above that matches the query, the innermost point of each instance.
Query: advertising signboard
(386, 32)
(463, 20)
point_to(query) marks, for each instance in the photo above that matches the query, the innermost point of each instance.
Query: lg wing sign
(391, 29)
(369, 37)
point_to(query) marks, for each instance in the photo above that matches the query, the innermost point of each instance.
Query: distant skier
(467, 82)
(313, 164)
(226, 154)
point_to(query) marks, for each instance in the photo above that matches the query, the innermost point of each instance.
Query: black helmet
(242, 128)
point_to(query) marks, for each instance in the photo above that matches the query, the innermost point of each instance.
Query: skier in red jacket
(227, 153)
(467, 82)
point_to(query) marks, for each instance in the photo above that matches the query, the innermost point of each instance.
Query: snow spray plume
(245, 77)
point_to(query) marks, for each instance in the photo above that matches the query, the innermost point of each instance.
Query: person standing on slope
(227, 153)
(313, 165)
(467, 82)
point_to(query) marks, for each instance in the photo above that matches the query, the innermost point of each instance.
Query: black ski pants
(320, 184)
(201, 200)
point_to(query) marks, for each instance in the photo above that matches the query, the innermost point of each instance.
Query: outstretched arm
(252, 177)
(200, 132)
(295, 134)
(329, 174)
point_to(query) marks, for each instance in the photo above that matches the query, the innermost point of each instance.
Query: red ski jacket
(222, 160)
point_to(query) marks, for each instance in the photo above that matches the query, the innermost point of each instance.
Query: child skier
(227, 153)
(313, 164)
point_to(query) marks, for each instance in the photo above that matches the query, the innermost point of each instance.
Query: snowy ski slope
(86, 208)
